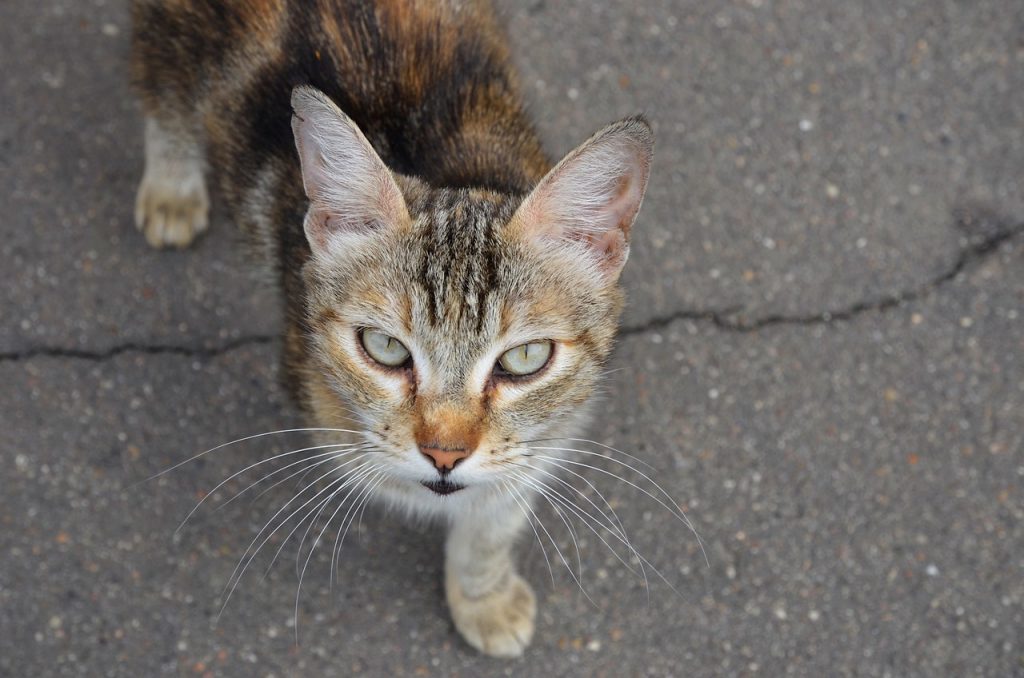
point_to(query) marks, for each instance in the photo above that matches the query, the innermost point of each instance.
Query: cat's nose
(444, 459)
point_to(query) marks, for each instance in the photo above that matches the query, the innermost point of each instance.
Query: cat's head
(457, 327)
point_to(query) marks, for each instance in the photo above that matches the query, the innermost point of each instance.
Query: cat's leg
(492, 606)
(172, 205)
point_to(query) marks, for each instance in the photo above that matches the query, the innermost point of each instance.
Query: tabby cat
(450, 295)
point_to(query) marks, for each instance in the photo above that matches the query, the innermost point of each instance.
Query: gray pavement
(822, 363)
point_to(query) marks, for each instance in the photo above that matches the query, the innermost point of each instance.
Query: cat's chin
(422, 499)
(442, 487)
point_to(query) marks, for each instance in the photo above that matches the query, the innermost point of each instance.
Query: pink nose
(444, 459)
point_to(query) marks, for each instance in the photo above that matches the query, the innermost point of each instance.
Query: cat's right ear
(349, 187)
(591, 198)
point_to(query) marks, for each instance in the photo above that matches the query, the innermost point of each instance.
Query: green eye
(383, 348)
(526, 358)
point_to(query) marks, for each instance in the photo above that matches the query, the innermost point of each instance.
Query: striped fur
(423, 207)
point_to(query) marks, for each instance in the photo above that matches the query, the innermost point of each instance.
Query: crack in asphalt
(993, 233)
(202, 352)
(730, 319)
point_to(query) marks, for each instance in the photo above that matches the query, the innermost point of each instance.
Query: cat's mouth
(442, 486)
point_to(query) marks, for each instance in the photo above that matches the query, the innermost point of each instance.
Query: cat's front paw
(499, 623)
(172, 206)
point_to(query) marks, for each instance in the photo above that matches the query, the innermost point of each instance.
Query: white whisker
(550, 493)
(303, 471)
(673, 509)
(372, 474)
(339, 539)
(616, 522)
(236, 576)
(641, 559)
(350, 477)
(591, 442)
(354, 482)
(572, 532)
(543, 550)
(242, 440)
(252, 466)
(366, 502)
(558, 550)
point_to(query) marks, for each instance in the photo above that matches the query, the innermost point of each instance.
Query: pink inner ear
(316, 228)
(338, 223)
(610, 246)
(350, 188)
(320, 225)
(615, 214)
(592, 196)
(622, 206)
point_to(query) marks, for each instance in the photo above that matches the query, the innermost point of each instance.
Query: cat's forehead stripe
(459, 256)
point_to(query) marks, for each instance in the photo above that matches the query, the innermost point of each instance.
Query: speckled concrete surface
(822, 363)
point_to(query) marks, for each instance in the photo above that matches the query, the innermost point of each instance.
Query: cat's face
(452, 336)
(458, 326)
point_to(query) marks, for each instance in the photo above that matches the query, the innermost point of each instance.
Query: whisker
(674, 509)
(304, 471)
(339, 540)
(572, 532)
(345, 480)
(372, 474)
(591, 442)
(575, 543)
(252, 466)
(317, 509)
(242, 440)
(617, 522)
(372, 471)
(366, 502)
(581, 514)
(543, 550)
(236, 576)
(638, 555)
(350, 477)
(614, 519)
(355, 484)
(557, 549)
(300, 484)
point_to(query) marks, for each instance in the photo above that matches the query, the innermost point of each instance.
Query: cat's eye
(525, 359)
(384, 349)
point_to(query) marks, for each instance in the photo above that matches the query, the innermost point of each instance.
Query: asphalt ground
(821, 362)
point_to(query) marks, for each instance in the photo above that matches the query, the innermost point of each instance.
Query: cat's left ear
(349, 187)
(592, 196)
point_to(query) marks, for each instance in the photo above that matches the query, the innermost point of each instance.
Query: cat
(450, 294)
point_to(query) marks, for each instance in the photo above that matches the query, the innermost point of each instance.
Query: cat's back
(372, 45)
(412, 74)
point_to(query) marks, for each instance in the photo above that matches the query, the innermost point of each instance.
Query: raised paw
(500, 623)
(172, 206)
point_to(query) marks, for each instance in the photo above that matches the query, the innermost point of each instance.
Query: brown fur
(424, 209)
(180, 47)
